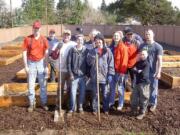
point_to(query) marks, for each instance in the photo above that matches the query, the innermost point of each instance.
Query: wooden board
(19, 88)
(171, 64)
(172, 81)
(171, 58)
(9, 52)
(12, 47)
(16, 94)
(9, 60)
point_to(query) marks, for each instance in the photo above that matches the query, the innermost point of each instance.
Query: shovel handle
(97, 81)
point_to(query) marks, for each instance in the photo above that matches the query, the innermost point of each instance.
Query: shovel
(97, 83)
(59, 116)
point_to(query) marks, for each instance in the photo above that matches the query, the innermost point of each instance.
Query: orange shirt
(35, 51)
(121, 58)
(132, 54)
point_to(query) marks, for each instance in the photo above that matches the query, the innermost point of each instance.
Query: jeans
(64, 80)
(81, 83)
(37, 69)
(153, 90)
(132, 77)
(105, 94)
(52, 71)
(140, 97)
(118, 82)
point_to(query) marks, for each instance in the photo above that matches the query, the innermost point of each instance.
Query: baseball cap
(37, 24)
(128, 30)
(66, 31)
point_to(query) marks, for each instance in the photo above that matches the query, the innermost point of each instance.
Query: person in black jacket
(141, 91)
(77, 69)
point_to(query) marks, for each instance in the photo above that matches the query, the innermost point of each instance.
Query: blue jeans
(81, 82)
(37, 69)
(105, 94)
(118, 82)
(153, 90)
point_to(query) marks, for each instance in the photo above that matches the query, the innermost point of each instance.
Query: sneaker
(45, 108)
(94, 113)
(140, 116)
(56, 116)
(81, 111)
(30, 108)
(119, 108)
(106, 113)
(152, 108)
(70, 113)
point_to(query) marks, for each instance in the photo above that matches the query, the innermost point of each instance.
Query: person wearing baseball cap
(53, 48)
(66, 45)
(35, 53)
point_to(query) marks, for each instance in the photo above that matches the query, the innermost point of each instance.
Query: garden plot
(171, 59)
(9, 56)
(171, 76)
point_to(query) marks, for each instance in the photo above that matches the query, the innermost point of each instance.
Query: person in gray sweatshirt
(105, 72)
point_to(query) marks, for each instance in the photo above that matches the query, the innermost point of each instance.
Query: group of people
(81, 63)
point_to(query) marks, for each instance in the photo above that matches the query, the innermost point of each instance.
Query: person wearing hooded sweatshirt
(77, 69)
(105, 72)
(120, 51)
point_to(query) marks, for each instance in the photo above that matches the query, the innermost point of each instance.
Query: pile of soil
(172, 71)
(165, 121)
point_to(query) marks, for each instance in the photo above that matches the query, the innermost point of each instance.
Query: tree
(103, 5)
(70, 11)
(145, 11)
(36, 9)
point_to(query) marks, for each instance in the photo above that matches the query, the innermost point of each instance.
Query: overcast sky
(94, 3)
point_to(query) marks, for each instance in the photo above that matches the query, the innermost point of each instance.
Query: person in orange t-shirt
(131, 43)
(35, 52)
(120, 52)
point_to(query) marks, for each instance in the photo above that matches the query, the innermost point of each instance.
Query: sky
(94, 3)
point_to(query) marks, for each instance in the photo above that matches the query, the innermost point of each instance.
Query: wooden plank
(7, 101)
(171, 64)
(9, 60)
(171, 81)
(12, 47)
(171, 58)
(9, 52)
(18, 88)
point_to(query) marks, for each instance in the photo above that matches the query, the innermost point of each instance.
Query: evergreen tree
(36, 9)
(103, 5)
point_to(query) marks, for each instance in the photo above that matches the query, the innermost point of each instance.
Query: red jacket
(132, 54)
(121, 58)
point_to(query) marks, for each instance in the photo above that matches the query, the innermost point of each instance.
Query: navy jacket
(141, 71)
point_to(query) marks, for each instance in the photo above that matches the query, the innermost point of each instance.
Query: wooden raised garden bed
(171, 76)
(15, 94)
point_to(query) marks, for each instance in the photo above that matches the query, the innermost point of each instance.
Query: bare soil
(172, 71)
(165, 121)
